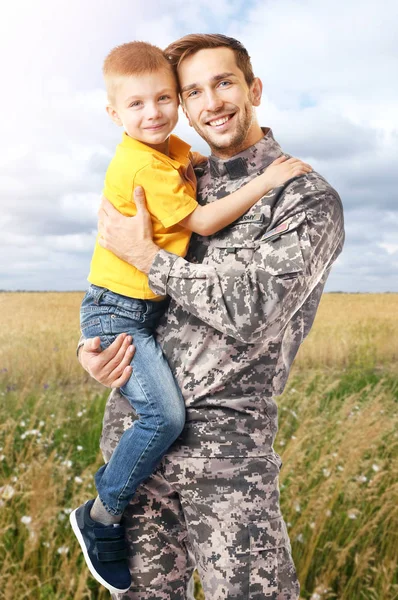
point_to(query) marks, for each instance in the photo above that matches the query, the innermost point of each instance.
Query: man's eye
(165, 97)
(224, 83)
(191, 94)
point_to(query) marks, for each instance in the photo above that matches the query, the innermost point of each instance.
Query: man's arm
(256, 301)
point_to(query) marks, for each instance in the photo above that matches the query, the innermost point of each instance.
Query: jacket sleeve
(252, 298)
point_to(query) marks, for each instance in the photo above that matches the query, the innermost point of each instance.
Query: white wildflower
(67, 463)
(326, 472)
(362, 478)
(297, 507)
(294, 437)
(353, 514)
(340, 468)
(26, 520)
(2, 457)
(312, 525)
(78, 480)
(7, 492)
(315, 596)
(67, 511)
(300, 538)
(328, 512)
(80, 413)
(79, 448)
(42, 423)
(22, 424)
(282, 442)
(376, 468)
(63, 550)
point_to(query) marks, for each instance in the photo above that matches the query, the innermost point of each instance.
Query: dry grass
(338, 440)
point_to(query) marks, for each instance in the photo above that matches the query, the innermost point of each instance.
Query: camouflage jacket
(242, 302)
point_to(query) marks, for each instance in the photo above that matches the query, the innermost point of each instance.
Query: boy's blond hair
(133, 58)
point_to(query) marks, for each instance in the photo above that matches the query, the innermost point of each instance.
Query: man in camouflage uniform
(242, 302)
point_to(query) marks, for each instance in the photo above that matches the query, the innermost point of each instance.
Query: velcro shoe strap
(112, 556)
(109, 533)
(111, 546)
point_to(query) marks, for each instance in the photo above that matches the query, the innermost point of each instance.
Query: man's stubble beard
(235, 144)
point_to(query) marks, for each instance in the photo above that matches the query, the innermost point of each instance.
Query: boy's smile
(147, 107)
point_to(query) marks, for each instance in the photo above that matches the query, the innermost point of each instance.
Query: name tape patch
(276, 232)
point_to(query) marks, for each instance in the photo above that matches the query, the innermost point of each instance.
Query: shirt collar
(178, 149)
(251, 160)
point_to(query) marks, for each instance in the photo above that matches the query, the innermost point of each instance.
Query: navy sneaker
(104, 549)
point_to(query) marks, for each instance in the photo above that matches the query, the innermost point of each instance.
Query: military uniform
(241, 304)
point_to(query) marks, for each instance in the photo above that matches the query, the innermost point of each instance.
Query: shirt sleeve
(253, 302)
(166, 192)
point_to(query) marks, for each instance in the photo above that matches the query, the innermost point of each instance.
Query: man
(241, 304)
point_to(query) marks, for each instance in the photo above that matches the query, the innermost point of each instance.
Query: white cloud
(330, 92)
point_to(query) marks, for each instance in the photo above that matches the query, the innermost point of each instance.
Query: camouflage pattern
(242, 302)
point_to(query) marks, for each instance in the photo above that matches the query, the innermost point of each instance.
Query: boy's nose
(153, 112)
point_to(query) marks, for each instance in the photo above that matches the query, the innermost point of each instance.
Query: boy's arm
(207, 220)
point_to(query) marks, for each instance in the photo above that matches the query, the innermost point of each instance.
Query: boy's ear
(113, 115)
(256, 90)
(184, 110)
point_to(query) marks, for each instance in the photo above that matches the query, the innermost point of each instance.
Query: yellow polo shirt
(170, 188)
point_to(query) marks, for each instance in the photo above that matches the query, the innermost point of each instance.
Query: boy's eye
(165, 97)
(192, 94)
(135, 103)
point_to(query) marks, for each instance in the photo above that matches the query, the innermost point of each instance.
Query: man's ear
(184, 110)
(113, 115)
(256, 90)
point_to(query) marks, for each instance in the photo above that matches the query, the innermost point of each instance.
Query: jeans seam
(144, 452)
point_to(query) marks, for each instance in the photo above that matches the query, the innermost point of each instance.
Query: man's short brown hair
(133, 58)
(192, 43)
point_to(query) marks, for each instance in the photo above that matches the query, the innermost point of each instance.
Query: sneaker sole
(97, 576)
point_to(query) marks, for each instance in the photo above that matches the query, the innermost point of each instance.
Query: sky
(330, 94)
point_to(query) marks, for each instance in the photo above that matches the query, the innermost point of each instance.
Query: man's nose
(213, 101)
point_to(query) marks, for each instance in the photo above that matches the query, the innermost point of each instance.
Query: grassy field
(338, 439)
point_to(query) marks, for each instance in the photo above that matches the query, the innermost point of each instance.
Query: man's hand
(111, 366)
(129, 238)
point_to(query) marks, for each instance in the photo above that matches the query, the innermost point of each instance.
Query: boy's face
(146, 106)
(218, 102)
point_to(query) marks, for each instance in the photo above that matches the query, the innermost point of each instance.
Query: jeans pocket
(92, 327)
(123, 321)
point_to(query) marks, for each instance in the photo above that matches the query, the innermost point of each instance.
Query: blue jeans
(151, 390)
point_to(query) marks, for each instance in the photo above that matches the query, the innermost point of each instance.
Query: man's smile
(219, 122)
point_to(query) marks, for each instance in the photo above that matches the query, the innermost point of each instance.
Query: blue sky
(330, 95)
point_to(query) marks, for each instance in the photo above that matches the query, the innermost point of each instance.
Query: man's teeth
(219, 121)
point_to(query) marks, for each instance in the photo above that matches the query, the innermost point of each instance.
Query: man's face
(218, 102)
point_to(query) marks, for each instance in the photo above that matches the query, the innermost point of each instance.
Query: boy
(143, 98)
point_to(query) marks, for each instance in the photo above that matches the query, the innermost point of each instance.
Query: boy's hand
(111, 366)
(282, 169)
(129, 238)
